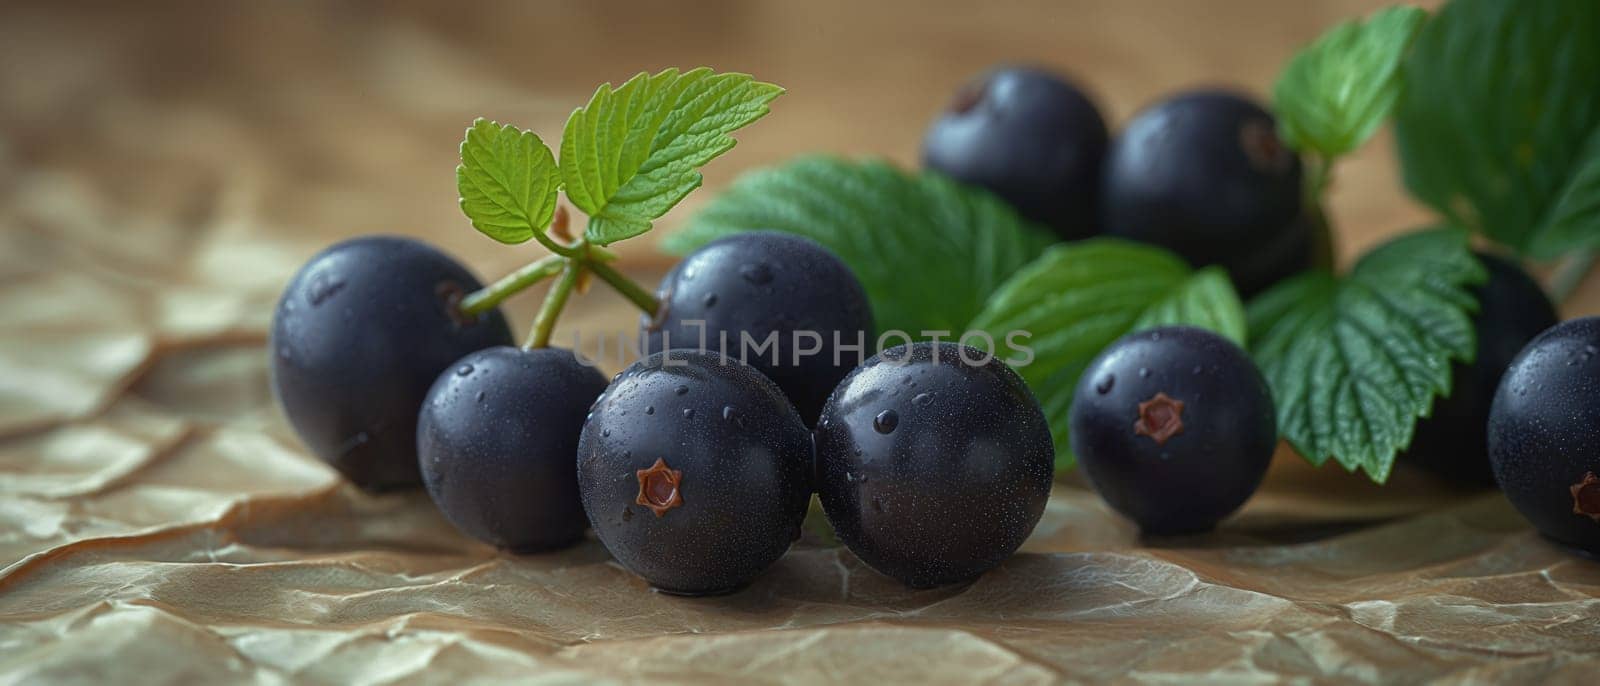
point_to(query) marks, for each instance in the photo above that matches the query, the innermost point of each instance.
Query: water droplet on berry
(886, 421)
(649, 409)
(1144, 372)
(1104, 385)
(756, 273)
(605, 433)
(482, 395)
(681, 390)
(688, 413)
(464, 370)
(324, 287)
(922, 399)
(710, 300)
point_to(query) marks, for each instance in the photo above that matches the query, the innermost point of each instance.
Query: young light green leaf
(1077, 298)
(1497, 122)
(507, 180)
(1354, 362)
(927, 250)
(1336, 92)
(634, 151)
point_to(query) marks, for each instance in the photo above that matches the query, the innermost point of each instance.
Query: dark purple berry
(359, 336)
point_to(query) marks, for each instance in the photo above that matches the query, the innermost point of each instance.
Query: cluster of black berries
(1204, 174)
(694, 468)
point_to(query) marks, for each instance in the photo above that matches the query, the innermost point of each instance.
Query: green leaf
(1574, 222)
(1336, 92)
(927, 250)
(1077, 298)
(633, 152)
(507, 180)
(1354, 362)
(1498, 119)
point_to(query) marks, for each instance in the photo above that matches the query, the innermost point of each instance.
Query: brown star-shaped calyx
(1586, 497)
(658, 487)
(1160, 418)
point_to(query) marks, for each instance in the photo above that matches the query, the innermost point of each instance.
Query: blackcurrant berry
(1204, 175)
(934, 463)
(1544, 433)
(1175, 428)
(498, 440)
(1031, 138)
(694, 471)
(1453, 441)
(766, 284)
(359, 335)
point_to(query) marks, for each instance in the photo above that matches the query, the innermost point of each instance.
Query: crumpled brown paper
(159, 523)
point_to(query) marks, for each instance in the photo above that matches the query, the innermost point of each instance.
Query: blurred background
(158, 132)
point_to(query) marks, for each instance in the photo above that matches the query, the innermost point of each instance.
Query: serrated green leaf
(1496, 122)
(1077, 298)
(634, 151)
(1354, 362)
(927, 250)
(507, 180)
(1336, 92)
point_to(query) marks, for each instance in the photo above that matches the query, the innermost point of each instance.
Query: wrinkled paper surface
(158, 522)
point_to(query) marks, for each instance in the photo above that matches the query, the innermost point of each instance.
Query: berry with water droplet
(502, 469)
(1173, 450)
(766, 284)
(941, 490)
(737, 491)
(1543, 445)
(335, 383)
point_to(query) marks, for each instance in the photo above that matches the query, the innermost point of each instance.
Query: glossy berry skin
(1204, 175)
(359, 336)
(1544, 434)
(498, 443)
(933, 470)
(1453, 442)
(1173, 469)
(1031, 138)
(764, 283)
(715, 448)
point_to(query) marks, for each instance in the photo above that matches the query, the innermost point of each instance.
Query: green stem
(1572, 274)
(557, 248)
(1319, 173)
(630, 290)
(486, 298)
(545, 322)
(1322, 248)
